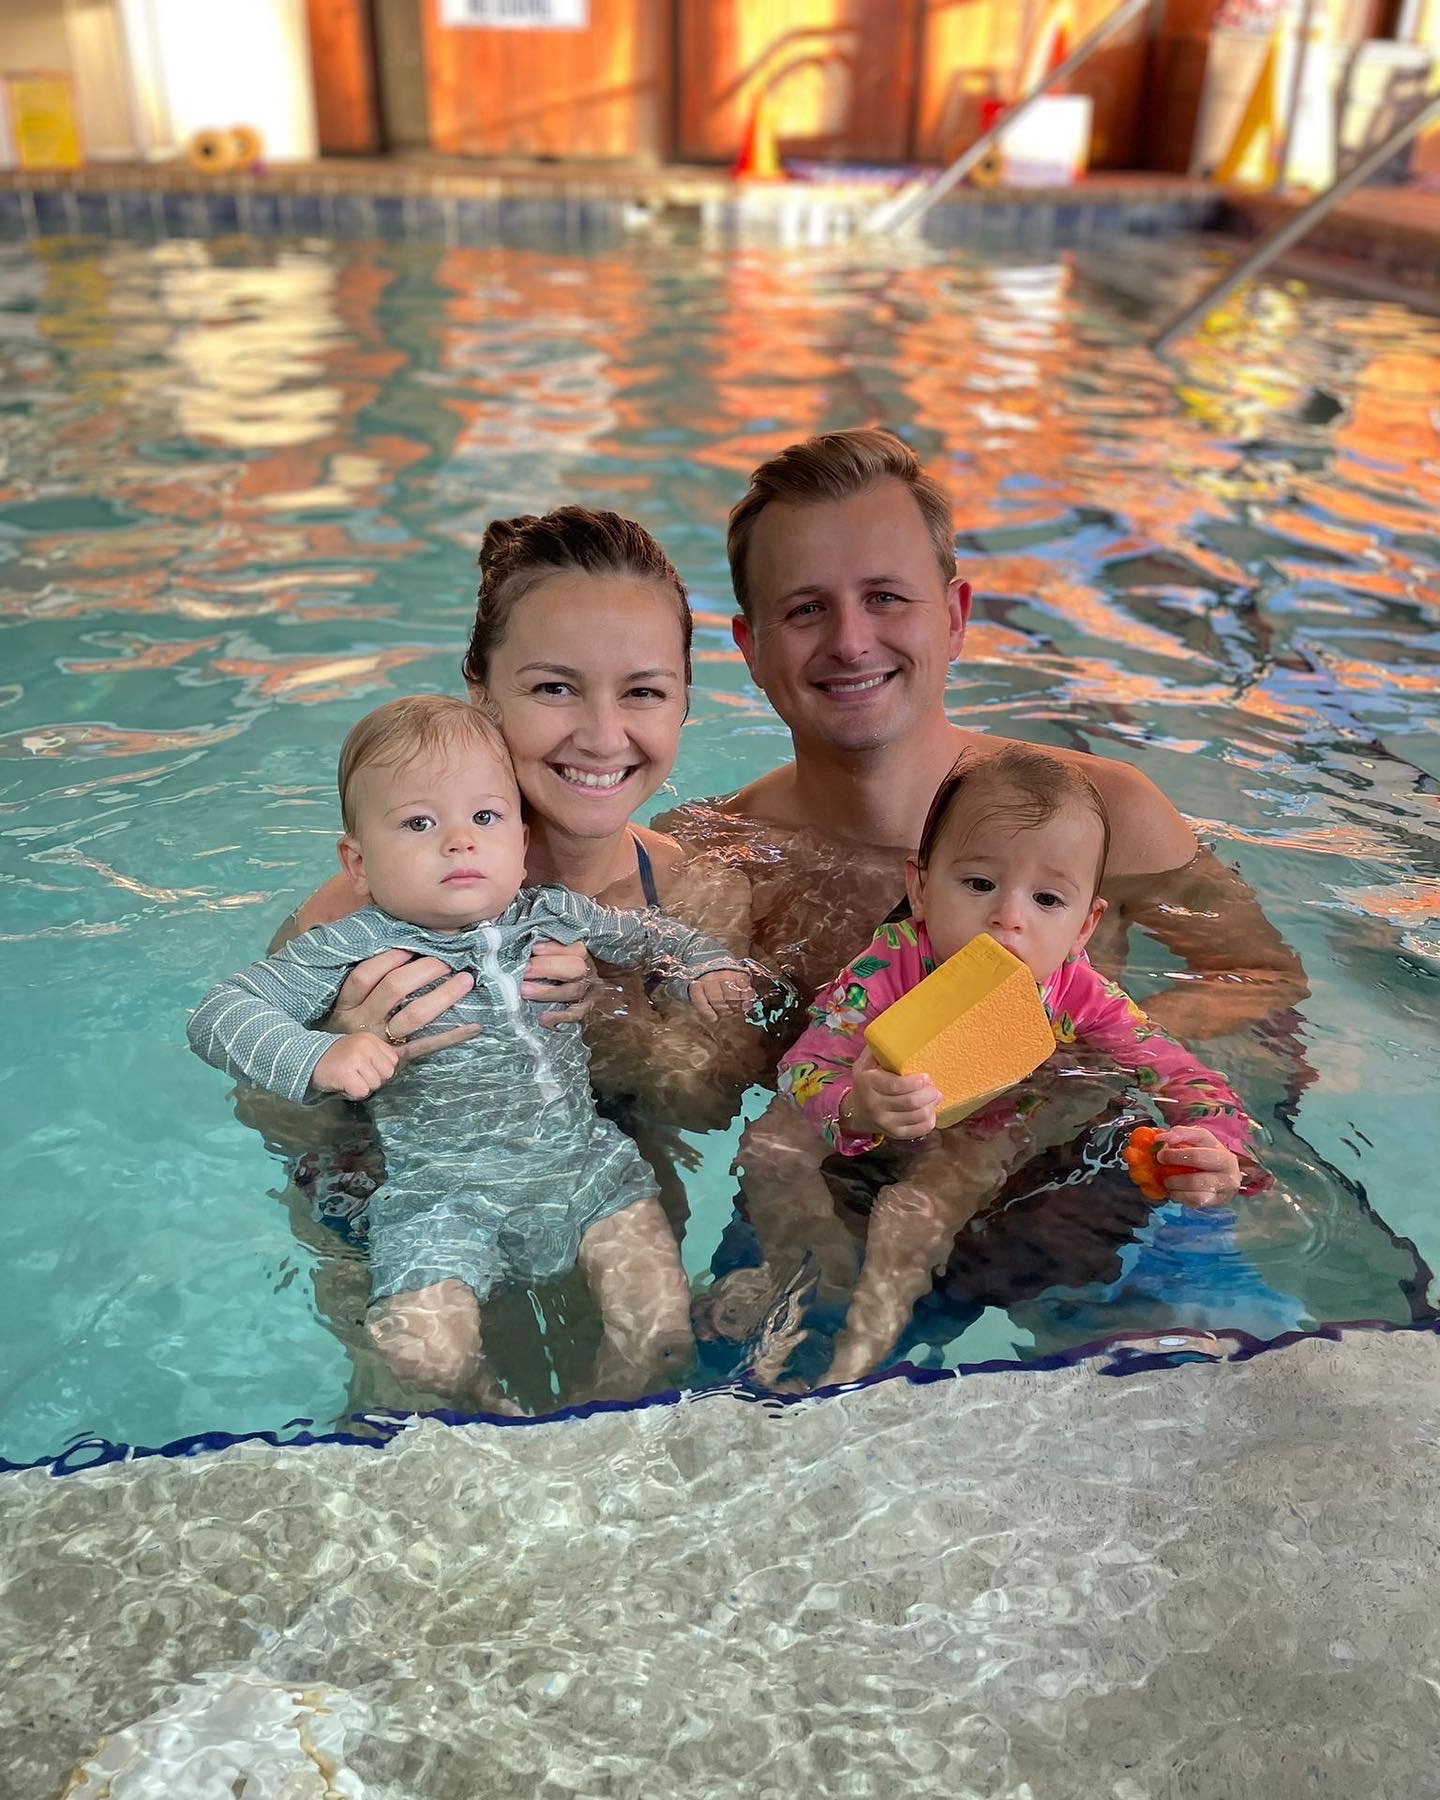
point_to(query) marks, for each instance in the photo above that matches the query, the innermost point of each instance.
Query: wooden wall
(839, 76)
(974, 50)
(857, 81)
(600, 92)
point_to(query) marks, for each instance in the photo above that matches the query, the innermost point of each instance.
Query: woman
(582, 640)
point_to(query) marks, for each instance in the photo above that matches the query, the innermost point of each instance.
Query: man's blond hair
(837, 466)
(400, 731)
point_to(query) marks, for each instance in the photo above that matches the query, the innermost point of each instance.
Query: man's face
(853, 628)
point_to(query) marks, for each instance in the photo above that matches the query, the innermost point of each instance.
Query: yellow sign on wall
(42, 121)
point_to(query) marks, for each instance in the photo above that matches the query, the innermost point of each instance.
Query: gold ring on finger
(391, 1038)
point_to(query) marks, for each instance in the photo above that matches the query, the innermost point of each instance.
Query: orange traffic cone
(1050, 45)
(1254, 150)
(759, 160)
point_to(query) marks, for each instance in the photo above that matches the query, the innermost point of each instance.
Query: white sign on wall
(517, 15)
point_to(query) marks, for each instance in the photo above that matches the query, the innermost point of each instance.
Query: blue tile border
(1031, 220)
(1116, 1355)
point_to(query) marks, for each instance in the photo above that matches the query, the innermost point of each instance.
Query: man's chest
(818, 911)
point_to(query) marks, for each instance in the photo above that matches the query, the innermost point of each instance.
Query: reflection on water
(240, 489)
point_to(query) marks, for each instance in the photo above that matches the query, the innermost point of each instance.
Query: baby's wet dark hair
(1024, 787)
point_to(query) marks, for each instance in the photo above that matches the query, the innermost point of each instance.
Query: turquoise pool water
(241, 492)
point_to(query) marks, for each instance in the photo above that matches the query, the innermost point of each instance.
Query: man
(851, 613)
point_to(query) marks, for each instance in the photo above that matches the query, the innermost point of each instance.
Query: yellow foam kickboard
(975, 1026)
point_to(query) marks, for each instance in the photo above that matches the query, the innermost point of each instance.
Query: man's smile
(845, 687)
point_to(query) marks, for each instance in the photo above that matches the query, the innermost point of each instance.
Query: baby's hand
(884, 1105)
(727, 994)
(355, 1066)
(1196, 1167)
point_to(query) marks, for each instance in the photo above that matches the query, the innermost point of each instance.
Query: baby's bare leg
(913, 1225)
(789, 1204)
(793, 1216)
(632, 1263)
(430, 1338)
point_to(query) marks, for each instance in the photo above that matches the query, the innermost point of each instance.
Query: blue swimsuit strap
(646, 872)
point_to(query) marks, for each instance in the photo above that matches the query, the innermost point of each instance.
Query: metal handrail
(1289, 231)
(904, 209)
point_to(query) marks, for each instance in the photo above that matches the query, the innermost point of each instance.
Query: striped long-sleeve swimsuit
(496, 1163)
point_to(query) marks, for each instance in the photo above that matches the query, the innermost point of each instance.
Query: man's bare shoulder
(1147, 834)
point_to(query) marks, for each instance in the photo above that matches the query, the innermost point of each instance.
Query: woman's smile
(601, 781)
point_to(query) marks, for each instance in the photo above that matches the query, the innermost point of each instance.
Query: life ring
(213, 152)
(989, 172)
(248, 144)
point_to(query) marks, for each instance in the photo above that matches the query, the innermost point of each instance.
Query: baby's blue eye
(418, 824)
(485, 816)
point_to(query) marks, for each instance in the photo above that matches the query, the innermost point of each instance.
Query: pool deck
(1204, 1581)
(1379, 240)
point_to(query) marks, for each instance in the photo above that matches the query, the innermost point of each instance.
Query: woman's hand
(884, 1105)
(1196, 1167)
(377, 994)
(564, 975)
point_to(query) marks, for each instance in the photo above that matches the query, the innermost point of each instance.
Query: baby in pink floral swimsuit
(1014, 845)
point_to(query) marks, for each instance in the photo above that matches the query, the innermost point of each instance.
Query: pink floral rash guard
(817, 1071)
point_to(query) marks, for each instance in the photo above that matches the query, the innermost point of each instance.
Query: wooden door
(597, 92)
(342, 71)
(838, 76)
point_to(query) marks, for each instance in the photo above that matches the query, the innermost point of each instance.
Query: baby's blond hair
(418, 725)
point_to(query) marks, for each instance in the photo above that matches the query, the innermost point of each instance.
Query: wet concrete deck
(1379, 240)
(1203, 1581)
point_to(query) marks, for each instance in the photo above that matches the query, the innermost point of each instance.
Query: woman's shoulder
(332, 901)
(662, 851)
(702, 886)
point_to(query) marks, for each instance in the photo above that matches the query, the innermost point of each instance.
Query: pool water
(241, 491)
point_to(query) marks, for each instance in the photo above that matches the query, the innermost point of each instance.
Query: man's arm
(1238, 972)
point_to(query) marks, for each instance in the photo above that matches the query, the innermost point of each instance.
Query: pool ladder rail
(907, 208)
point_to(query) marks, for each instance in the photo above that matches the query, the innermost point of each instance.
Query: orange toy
(1140, 1159)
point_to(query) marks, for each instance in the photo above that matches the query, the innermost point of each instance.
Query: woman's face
(590, 681)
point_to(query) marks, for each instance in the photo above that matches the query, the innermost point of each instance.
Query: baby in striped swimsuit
(498, 1169)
